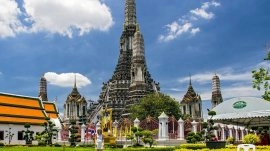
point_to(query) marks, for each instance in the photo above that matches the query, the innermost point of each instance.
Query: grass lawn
(23, 148)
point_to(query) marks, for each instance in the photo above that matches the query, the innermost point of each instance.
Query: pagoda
(131, 79)
(191, 103)
(216, 93)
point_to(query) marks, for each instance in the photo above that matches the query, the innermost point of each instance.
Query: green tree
(209, 127)
(137, 131)
(48, 132)
(148, 136)
(154, 104)
(73, 130)
(28, 135)
(261, 79)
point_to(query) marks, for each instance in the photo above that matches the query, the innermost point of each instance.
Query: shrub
(2, 144)
(57, 145)
(42, 143)
(251, 139)
(194, 138)
(209, 127)
(230, 140)
(191, 146)
(149, 149)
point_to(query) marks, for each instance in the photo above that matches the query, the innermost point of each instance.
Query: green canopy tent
(243, 111)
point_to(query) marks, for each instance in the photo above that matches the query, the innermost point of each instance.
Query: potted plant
(210, 138)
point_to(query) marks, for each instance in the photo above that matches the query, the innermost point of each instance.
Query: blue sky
(182, 37)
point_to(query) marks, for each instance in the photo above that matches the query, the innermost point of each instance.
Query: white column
(59, 137)
(166, 129)
(181, 129)
(83, 127)
(194, 126)
(242, 132)
(136, 122)
(236, 133)
(160, 130)
(163, 126)
(230, 130)
(222, 132)
(69, 111)
(69, 133)
(115, 125)
(246, 131)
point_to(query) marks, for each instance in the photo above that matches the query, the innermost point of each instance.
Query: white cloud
(67, 79)
(67, 18)
(186, 22)
(223, 75)
(195, 30)
(175, 29)
(202, 11)
(9, 22)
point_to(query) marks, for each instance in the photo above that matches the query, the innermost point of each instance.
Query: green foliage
(73, 136)
(261, 79)
(153, 105)
(27, 125)
(41, 144)
(205, 125)
(148, 137)
(149, 149)
(137, 131)
(209, 127)
(192, 146)
(194, 138)
(48, 133)
(57, 145)
(28, 135)
(212, 113)
(2, 144)
(230, 140)
(251, 139)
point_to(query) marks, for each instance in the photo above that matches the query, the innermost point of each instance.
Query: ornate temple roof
(15, 109)
(51, 109)
(75, 95)
(191, 95)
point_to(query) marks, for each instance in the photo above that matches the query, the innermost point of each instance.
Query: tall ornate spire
(130, 80)
(43, 88)
(130, 12)
(138, 47)
(75, 90)
(75, 81)
(216, 93)
(138, 85)
(190, 80)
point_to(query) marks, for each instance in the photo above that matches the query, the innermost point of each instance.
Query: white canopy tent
(243, 111)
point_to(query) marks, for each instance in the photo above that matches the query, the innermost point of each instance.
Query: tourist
(99, 140)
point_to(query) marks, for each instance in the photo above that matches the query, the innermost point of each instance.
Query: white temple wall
(14, 129)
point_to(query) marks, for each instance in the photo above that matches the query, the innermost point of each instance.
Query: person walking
(99, 140)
